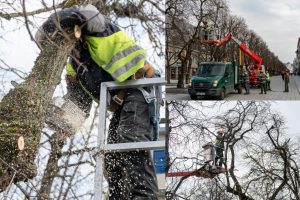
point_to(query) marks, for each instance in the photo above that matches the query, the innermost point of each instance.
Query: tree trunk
(22, 112)
(168, 74)
(181, 77)
(52, 169)
(167, 59)
(184, 63)
(189, 71)
(168, 130)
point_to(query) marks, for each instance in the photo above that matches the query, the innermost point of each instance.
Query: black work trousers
(130, 175)
(286, 85)
(263, 87)
(219, 157)
(247, 87)
(268, 85)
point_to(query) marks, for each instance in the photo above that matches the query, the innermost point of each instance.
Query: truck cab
(215, 79)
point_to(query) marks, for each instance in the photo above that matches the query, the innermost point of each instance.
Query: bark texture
(22, 112)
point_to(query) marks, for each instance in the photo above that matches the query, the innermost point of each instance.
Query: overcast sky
(276, 21)
(290, 111)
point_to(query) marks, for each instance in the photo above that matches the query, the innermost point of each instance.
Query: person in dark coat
(246, 82)
(263, 82)
(286, 81)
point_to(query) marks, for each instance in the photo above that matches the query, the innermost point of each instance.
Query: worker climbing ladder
(102, 146)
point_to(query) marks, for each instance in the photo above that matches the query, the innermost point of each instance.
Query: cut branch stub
(22, 112)
(21, 144)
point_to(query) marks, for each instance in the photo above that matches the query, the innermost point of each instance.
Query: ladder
(102, 146)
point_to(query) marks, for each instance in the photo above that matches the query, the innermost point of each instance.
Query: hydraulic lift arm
(242, 46)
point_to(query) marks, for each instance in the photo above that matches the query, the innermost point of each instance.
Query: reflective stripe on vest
(117, 54)
(121, 55)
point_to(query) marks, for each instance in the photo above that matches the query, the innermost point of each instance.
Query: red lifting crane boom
(242, 46)
(254, 80)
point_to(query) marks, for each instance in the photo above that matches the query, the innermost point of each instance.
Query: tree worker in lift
(207, 31)
(268, 79)
(103, 52)
(262, 81)
(219, 145)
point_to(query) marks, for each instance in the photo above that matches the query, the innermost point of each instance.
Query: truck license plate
(201, 93)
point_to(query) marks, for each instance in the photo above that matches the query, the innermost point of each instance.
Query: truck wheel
(222, 94)
(193, 97)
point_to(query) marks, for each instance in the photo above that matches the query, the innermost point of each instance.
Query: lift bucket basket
(209, 152)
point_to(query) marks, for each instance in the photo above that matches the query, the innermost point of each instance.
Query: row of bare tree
(184, 29)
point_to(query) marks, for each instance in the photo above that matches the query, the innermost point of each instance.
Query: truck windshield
(211, 70)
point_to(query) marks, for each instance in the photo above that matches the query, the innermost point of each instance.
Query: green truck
(215, 79)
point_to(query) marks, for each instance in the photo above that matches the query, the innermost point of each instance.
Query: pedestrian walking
(286, 81)
(262, 81)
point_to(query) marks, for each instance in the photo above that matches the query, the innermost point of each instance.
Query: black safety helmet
(66, 18)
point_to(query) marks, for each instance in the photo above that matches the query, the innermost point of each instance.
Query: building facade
(179, 34)
(296, 64)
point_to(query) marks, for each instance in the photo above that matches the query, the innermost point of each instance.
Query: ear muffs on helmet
(63, 19)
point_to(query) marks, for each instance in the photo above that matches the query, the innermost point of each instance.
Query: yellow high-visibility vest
(117, 54)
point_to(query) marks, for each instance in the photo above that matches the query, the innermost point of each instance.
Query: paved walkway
(277, 86)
